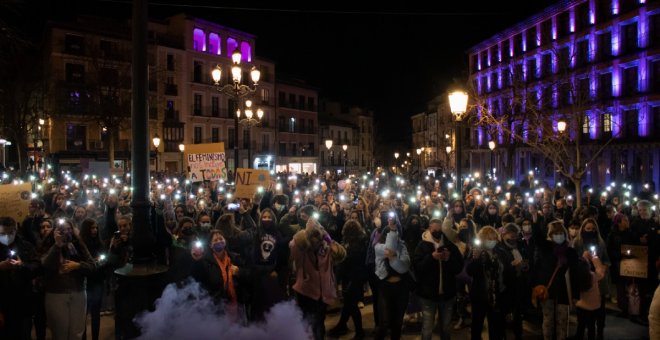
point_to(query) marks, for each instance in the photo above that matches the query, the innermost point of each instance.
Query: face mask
(267, 224)
(572, 232)
(205, 225)
(458, 210)
(187, 231)
(559, 238)
(492, 211)
(490, 244)
(219, 246)
(511, 243)
(526, 228)
(437, 234)
(519, 201)
(68, 236)
(464, 235)
(278, 206)
(7, 239)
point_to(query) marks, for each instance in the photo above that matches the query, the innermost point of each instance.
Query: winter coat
(427, 269)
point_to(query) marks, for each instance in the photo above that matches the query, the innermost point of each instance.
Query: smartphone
(233, 206)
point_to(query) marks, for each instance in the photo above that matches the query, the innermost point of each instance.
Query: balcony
(172, 115)
(171, 90)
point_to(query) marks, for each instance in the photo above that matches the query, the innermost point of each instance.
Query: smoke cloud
(189, 313)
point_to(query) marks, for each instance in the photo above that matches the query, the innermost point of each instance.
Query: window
(582, 90)
(603, 10)
(311, 106)
(246, 138)
(582, 53)
(629, 38)
(73, 44)
(282, 149)
(301, 102)
(656, 118)
(294, 149)
(582, 16)
(197, 106)
(232, 106)
(214, 44)
(494, 52)
(265, 96)
(292, 100)
(562, 25)
(199, 40)
(108, 49)
(76, 137)
(215, 106)
(170, 62)
(564, 59)
(197, 136)
(506, 50)
(231, 138)
(75, 73)
(530, 38)
(197, 72)
(607, 122)
(630, 76)
(517, 44)
(310, 126)
(546, 61)
(265, 142)
(281, 124)
(565, 94)
(281, 98)
(301, 126)
(585, 124)
(631, 123)
(546, 32)
(215, 135)
(654, 30)
(605, 86)
(604, 46)
(655, 76)
(531, 69)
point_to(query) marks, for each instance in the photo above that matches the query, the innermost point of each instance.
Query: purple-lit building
(611, 49)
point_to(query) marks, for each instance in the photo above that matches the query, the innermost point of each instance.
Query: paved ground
(616, 328)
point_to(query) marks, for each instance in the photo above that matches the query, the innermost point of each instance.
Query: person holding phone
(18, 264)
(66, 264)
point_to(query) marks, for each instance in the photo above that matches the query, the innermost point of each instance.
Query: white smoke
(189, 313)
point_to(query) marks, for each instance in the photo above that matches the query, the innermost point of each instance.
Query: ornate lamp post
(328, 145)
(419, 155)
(491, 146)
(396, 160)
(156, 141)
(182, 148)
(236, 90)
(249, 121)
(458, 104)
(345, 147)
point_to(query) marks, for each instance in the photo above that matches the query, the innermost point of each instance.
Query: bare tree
(554, 115)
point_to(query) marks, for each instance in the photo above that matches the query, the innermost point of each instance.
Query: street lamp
(4, 144)
(182, 148)
(491, 146)
(561, 126)
(156, 141)
(419, 155)
(458, 105)
(236, 90)
(328, 145)
(249, 121)
(345, 147)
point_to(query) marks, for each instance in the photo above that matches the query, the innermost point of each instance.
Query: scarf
(225, 270)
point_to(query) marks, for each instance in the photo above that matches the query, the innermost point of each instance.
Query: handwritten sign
(15, 200)
(248, 182)
(205, 162)
(635, 261)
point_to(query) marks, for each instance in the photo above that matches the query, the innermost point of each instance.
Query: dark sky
(392, 57)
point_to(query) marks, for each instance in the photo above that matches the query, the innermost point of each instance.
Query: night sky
(392, 57)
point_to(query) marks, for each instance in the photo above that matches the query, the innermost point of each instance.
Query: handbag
(540, 292)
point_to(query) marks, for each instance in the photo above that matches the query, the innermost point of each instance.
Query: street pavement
(616, 328)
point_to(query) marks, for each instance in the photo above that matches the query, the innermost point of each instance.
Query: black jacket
(427, 269)
(16, 284)
(207, 272)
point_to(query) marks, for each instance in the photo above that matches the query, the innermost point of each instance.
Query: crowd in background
(426, 253)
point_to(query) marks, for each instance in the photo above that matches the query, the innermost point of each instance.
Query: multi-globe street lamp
(458, 104)
(236, 90)
(249, 121)
(396, 160)
(182, 148)
(328, 145)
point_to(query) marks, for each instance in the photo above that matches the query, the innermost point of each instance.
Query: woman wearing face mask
(203, 227)
(589, 239)
(214, 267)
(512, 249)
(620, 235)
(180, 259)
(490, 216)
(492, 283)
(66, 264)
(18, 264)
(555, 258)
(89, 233)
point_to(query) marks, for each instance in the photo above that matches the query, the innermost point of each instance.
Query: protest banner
(248, 182)
(635, 261)
(15, 200)
(205, 162)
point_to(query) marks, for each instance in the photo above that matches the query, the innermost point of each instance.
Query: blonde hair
(488, 232)
(556, 226)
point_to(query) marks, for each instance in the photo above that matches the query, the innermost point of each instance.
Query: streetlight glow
(561, 126)
(182, 147)
(156, 141)
(491, 145)
(458, 103)
(328, 143)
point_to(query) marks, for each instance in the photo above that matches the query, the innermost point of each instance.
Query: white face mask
(7, 239)
(559, 238)
(490, 244)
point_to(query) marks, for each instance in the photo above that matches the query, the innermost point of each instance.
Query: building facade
(88, 67)
(608, 52)
(351, 126)
(433, 134)
(297, 127)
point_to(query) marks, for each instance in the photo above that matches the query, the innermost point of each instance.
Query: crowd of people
(425, 252)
